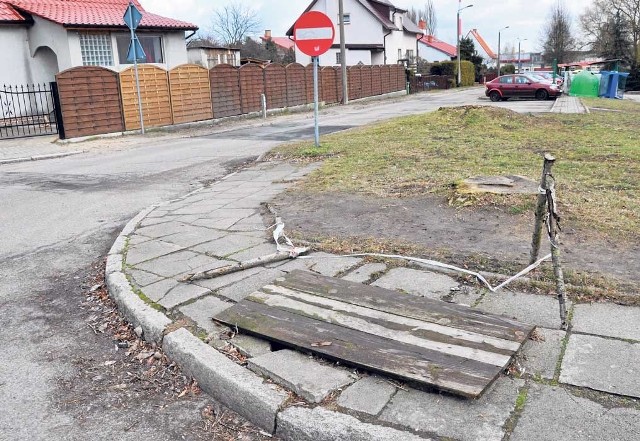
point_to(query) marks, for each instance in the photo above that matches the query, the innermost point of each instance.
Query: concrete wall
(52, 35)
(15, 53)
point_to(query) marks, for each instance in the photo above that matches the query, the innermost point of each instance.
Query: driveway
(59, 218)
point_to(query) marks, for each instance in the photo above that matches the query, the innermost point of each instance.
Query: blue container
(612, 84)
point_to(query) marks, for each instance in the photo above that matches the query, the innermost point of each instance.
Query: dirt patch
(501, 240)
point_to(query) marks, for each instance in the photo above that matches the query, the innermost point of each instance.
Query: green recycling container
(585, 84)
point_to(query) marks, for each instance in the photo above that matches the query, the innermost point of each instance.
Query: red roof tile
(100, 13)
(283, 42)
(439, 45)
(7, 13)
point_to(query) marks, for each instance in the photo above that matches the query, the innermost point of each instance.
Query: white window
(338, 58)
(346, 17)
(399, 54)
(96, 49)
(152, 46)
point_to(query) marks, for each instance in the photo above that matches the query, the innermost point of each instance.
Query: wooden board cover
(451, 347)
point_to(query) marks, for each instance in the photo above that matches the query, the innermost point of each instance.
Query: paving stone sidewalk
(569, 388)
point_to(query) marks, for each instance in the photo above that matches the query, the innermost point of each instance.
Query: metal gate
(30, 110)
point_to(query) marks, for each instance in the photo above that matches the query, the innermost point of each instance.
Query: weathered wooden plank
(458, 375)
(419, 308)
(450, 340)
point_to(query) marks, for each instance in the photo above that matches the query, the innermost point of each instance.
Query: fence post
(57, 109)
(540, 208)
(553, 220)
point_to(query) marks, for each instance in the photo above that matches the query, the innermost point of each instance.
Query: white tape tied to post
(288, 247)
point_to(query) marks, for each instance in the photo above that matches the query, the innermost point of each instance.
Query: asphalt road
(59, 217)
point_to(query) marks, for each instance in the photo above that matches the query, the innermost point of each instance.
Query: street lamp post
(519, 62)
(458, 48)
(506, 27)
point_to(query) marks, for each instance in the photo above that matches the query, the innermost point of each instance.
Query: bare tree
(233, 22)
(557, 38)
(428, 14)
(612, 28)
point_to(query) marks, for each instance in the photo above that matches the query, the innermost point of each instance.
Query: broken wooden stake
(541, 208)
(553, 227)
(240, 266)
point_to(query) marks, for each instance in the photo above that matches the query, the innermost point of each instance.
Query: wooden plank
(420, 308)
(446, 339)
(462, 376)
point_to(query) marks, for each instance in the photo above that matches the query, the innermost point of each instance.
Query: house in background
(431, 49)
(40, 38)
(376, 32)
(284, 45)
(208, 54)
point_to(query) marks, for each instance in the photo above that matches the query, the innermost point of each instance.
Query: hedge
(451, 68)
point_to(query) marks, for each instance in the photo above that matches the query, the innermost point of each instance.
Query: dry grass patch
(598, 168)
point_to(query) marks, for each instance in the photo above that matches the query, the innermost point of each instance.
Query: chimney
(422, 24)
(267, 34)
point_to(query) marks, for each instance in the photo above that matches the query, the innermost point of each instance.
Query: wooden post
(552, 224)
(541, 208)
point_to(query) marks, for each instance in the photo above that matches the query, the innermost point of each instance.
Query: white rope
(442, 265)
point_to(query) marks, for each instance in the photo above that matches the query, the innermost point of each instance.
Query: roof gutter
(190, 35)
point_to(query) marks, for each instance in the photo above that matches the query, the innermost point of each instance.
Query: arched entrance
(45, 65)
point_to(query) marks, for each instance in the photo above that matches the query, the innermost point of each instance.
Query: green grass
(597, 169)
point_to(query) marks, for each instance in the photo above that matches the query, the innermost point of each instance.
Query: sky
(525, 18)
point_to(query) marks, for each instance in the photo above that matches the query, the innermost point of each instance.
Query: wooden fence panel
(296, 85)
(398, 77)
(190, 93)
(225, 91)
(251, 87)
(339, 95)
(154, 91)
(385, 80)
(355, 82)
(309, 82)
(329, 85)
(365, 72)
(90, 101)
(275, 85)
(376, 81)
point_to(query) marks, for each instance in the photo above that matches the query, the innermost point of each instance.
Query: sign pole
(135, 69)
(315, 101)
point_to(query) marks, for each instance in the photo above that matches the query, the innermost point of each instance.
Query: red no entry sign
(313, 33)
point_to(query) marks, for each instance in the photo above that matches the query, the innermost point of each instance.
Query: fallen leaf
(321, 343)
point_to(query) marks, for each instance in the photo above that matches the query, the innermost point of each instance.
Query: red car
(521, 86)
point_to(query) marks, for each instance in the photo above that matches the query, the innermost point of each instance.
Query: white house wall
(15, 50)
(46, 33)
(431, 55)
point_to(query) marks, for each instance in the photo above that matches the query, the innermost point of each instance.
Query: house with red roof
(40, 38)
(432, 49)
(376, 32)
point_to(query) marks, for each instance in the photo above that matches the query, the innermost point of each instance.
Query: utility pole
(458, 38)
(343, 55)
(520, 62)
(506, 27)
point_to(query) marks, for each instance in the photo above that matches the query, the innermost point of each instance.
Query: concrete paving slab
(368, 395)
(528, 308)
(158, 290)
(419, 283)
(322, 263)
(161, 230)
(136, 239)
(245, 287)
(143, 278)
(454, 417)
(319, 424)
(252, 223)
(181, 262)
(607, 319)
(181, 293)
(193, 235)
(541, 357)
(250, 346)
(222, 223)
(235, 213)
(263, 249)
(364, 273)
(203, 309)
(227, 245)
(552, 413)
(602, 364)
(228, 279)
(300, 373)
(149, 250)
